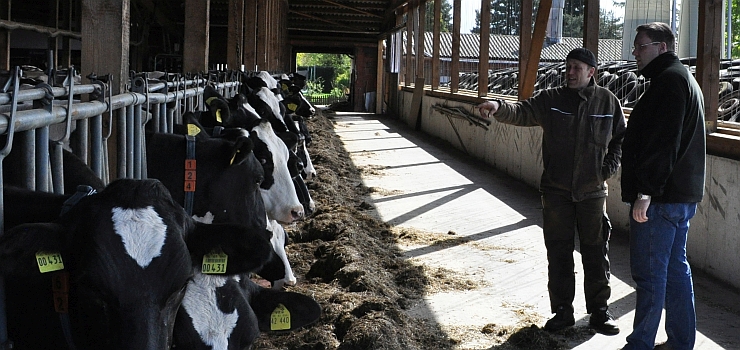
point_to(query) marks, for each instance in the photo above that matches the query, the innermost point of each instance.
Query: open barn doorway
(329, 79)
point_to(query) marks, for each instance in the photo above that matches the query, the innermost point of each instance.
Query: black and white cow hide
(239, 309)
(127, 255)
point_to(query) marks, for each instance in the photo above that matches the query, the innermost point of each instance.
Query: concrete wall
(714, 237)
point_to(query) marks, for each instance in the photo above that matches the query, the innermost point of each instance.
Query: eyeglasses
(639, 47)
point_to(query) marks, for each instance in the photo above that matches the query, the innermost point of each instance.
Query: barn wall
(713, 239)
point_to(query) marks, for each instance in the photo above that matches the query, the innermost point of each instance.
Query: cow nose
(297, 214)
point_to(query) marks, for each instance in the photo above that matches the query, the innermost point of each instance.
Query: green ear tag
(280, 318)
(49, 262)
(193, 130)
(214, 263)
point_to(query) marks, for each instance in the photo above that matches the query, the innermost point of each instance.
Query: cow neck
(60, 279)
(190, 167)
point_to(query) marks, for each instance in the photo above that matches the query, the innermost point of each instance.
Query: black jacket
(664, 150)
(582, 133)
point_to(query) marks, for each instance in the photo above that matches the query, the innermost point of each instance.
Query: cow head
(127, 254)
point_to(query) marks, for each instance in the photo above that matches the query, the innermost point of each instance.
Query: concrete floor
(427, 185)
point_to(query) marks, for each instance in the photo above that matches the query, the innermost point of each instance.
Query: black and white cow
(127, 253)
(277, 270)
(241, 310)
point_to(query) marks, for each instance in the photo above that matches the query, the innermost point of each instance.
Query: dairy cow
(110, 272)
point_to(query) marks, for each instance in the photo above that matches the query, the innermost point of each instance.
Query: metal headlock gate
(39, 122)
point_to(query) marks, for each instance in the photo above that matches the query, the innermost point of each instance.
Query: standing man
(663, 180)
(582, 130)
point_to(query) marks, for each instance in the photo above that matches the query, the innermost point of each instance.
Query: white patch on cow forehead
(201, 302)
(206, 219)
(268, 97)
(142, 231)
(268, 79)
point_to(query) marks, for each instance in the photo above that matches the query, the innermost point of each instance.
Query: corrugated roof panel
(506, 47)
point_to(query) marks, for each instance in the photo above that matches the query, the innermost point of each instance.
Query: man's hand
(488, 108)
(639, 210)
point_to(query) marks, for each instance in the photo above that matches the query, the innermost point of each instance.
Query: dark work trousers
(562, 219)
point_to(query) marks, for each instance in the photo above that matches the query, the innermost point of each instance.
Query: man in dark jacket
(663, 179)
(582, 130)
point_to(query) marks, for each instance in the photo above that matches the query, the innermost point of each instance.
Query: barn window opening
(328, 77)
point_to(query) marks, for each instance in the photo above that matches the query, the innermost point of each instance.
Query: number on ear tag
(280, 318)
(49, 262)
(214, 263)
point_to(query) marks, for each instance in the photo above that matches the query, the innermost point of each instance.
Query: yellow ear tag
(292, 106)
(280, 318)
(214, 263)
(210, 99)
(193, 130)
(218, 115)
(284, 87)
(49, 262)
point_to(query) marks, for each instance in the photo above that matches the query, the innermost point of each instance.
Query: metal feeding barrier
(38, 122)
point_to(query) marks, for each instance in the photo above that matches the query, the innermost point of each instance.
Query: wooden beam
(250, 36)
(195, 50)
(708, 52)
(591, 27)
(379, 92)
(105, 40)
(420, 35)
(408, 76)
(538, 38)
(435, 43)
(525, 38)
(455, 64)
(235, 35)
(485, 43)
(352, 8)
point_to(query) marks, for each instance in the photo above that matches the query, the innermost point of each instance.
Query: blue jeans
(663, 276)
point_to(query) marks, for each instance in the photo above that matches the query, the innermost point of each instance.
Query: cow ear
(20, 245)
(283, 311)
(243, 146)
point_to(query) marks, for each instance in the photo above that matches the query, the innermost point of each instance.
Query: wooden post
(455, 62)
(235, 36)
(195, 50)
(420, 36)
(526, 88)
(485, 42)
(708, 51)
(408, 76)
(250, 38)
(5, 39)
(105, 40)
(435, 44)
(591, 27)
(525, 40)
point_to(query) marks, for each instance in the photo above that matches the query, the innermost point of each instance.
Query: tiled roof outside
(506, 47)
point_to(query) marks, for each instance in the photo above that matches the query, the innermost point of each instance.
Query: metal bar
(121, 142)
(28, 149)
(137, 126)
(129, 141)
(96, 145)
(42, 159)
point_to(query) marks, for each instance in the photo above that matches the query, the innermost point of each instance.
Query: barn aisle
(474, 222)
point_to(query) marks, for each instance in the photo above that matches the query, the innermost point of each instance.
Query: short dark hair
(659, 31)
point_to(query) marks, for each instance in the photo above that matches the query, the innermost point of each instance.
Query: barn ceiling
(352, 19)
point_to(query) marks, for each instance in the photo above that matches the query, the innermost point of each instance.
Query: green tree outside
(341, 63)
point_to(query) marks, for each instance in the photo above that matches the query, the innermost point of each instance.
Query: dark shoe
(603, 322)
(663, 346)
(563, 318)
